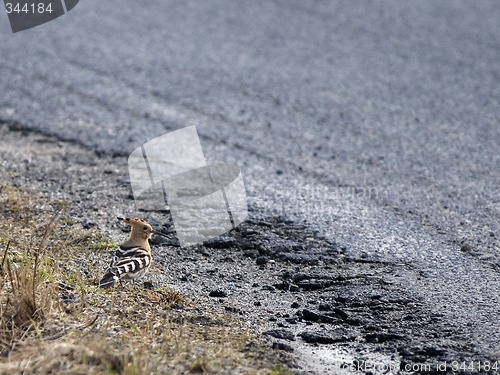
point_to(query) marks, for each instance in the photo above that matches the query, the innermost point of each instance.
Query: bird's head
(140, 228)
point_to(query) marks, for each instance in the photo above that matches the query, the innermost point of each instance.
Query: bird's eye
(145, 228)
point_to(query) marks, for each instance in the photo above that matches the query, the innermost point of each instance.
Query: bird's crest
(140, 228)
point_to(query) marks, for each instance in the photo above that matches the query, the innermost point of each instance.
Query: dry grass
(54, 319)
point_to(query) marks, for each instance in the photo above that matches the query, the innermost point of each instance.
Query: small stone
(282, 346)
(280, 334)
(293, 288)
(381, 337)
(148, 285)
(247, 245)
(203, 251)
(87, 224)
(263, 250)
(313, 284)
(329, 336)
(486, 256)
(311, 316)
(65, 286)
(251, 253)
(341, 314)
(160, 240)
(269, 287)
(287, 287)
(257, 303)
(466, 247)
(217, 293)
(220, 243)
(250, 346)
(262, 260)
(174, 242)
(187, 277)
(232, 309)
(324, 307)
(295, 305)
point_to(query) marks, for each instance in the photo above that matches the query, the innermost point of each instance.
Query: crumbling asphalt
(303, 291)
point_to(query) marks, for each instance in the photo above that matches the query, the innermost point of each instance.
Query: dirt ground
(280, 279)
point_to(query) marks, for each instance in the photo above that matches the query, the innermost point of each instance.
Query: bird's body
(132, 259)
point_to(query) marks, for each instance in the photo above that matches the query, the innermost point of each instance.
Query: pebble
(381, 337)
(282, 346)
(187, 277)
(287, 287)
(203, 251)
(281, 334)
(87, 224)
(232, 309)
(220, 243)
(269, 287)
(466, 247)
(262, 260)
(319, 318)
(217, 293)
(328, 336)
(251, 253)
(325, 307)
(247, 245)
(313, 284)
(160, 240)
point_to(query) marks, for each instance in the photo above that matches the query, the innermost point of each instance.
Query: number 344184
(28, 8)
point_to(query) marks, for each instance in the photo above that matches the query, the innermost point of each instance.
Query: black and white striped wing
(127, 264)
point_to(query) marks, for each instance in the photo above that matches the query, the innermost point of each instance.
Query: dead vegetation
(54, 319)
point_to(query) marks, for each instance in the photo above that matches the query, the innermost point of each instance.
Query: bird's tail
(108, 280)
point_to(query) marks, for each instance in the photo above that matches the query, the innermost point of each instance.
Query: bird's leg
(135, 288)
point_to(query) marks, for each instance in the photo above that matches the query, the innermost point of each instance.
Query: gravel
(360, 303)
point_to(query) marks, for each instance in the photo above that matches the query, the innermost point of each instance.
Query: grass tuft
(55, 319)
(26, 295)
(105, 245)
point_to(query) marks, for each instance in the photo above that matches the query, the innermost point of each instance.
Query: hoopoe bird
(133, 258)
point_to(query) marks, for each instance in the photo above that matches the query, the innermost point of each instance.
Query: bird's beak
(120, 218)
(160, 234)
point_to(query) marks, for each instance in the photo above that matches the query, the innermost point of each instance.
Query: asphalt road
(376, 122)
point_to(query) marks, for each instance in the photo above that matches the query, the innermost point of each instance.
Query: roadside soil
(295, 290)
